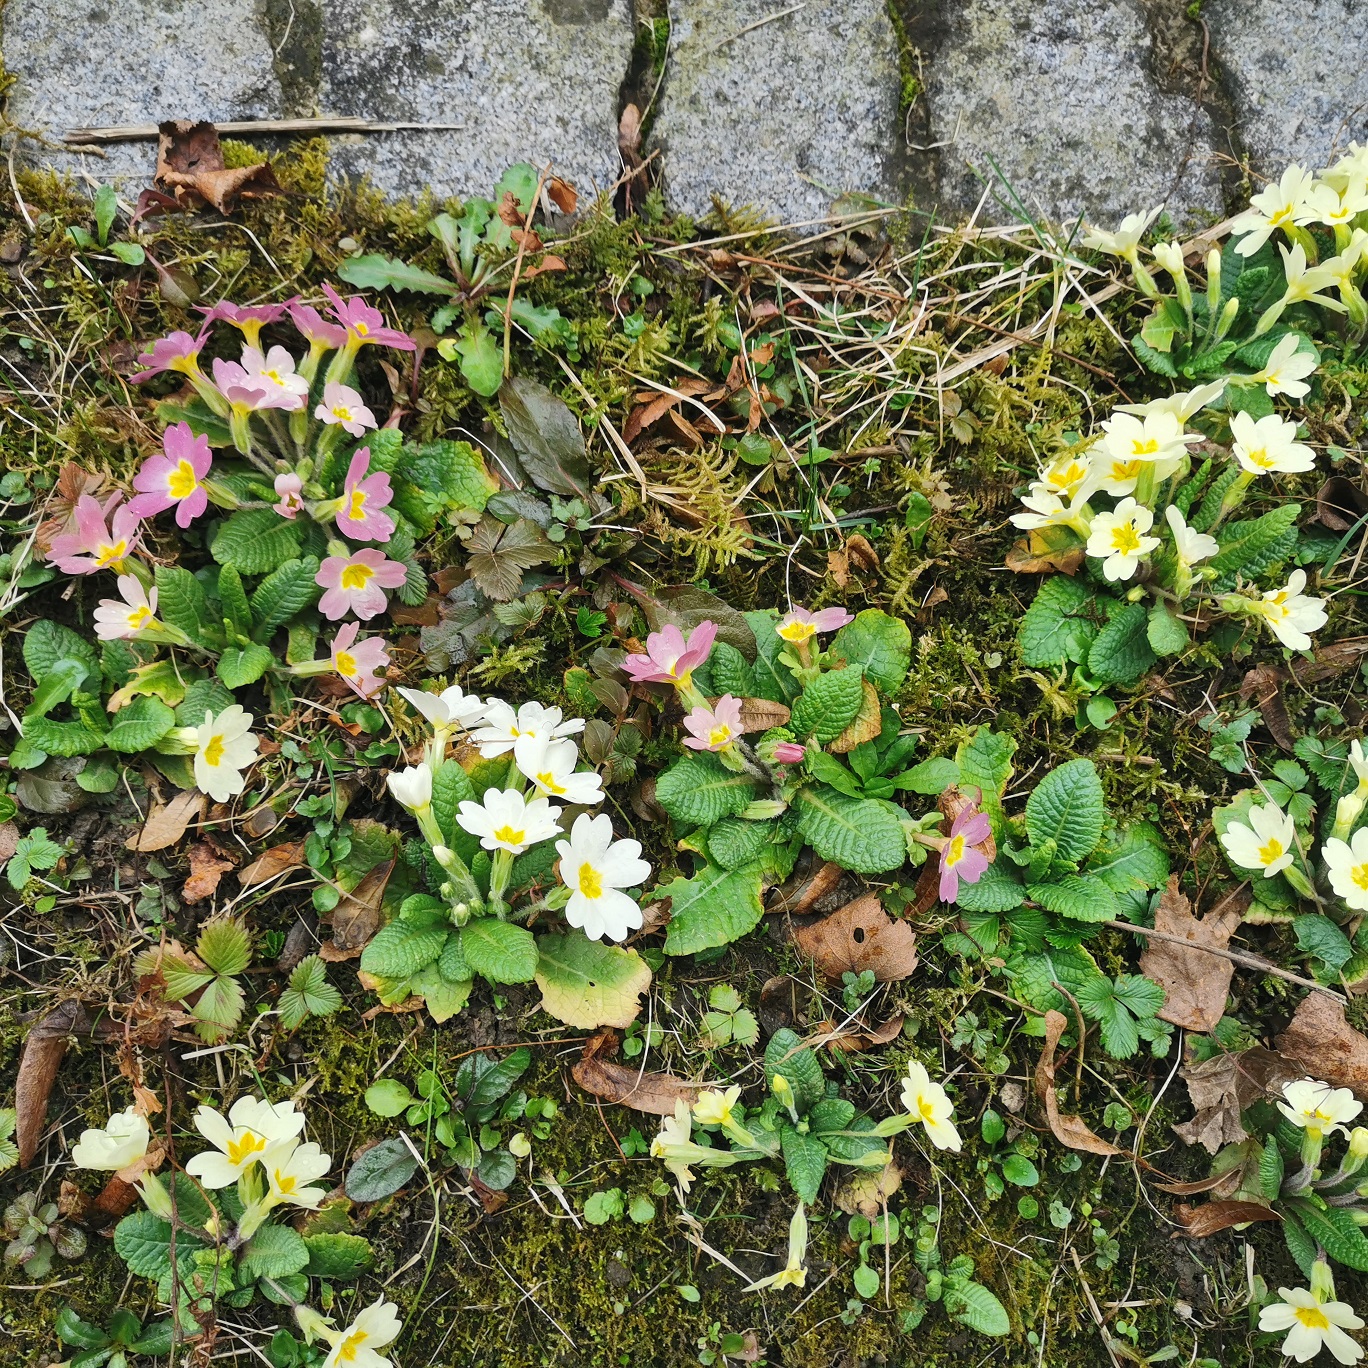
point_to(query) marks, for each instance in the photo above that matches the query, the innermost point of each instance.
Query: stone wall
(1043, 107)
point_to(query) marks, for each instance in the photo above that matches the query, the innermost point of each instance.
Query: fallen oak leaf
(1195, 982)
(1199, 1222)
(1222, 1087)
(655, 1093)
(857, 937)
(356, 918)
(1069, 1130)
(45, 1045)
(190, 166)
(207, 867)
(166, 823)
(1321, 1041)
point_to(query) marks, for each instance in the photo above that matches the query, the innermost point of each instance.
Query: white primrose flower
(1269, 444)
(357, 1346)
(926, 1101)
(117, 620)
(1066, 475)
(289, 1169)
(411, 787)
(1180, 406)
(1278, 206)
(1312, 1325)
(1317, 1108)
(594, 867)
(1290, 614)
(1048, 510)
(1119, 477)
(552, 769)
(1125, 241)
(122, 1141)
(452, 707)
(1118, 539)
(1304, 282)
(1286, 369)
(1352, 166)
(1155, 437)
(224, 747)
(251, 1128)
(1337, 208)
(1268, 842)
(1347, 864)
(506, 820)
(531, 724)
(1189, 546)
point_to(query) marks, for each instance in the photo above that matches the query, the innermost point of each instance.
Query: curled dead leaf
(1069, 1130)
(45, 1045)
(807, 889)
(190, 166)
(859, 936)
(759, 714)
(1330, 660)
(866, 1194)
(1324, 1045)
(655, 1093)
(851, 1039)
(272, 863)
(166, 823)
(207, 867)
(1195, 982)
(1199, 1222)
(1034, 555)
(1264, 685)
(356, 918)
(1222, 1087)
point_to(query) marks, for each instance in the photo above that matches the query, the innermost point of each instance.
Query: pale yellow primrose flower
(1289, 613)
(1182, 405)
(1065, 476)
(1312, 1325)
(224, 747)
(1278, 206)
(1267, 843)
(122, 1141)
(793, 1274)
(1048, 510)
(1125, 241)
(1304, 282)
(1155, 437)
(1118, 539)
(1286, 369)
(927, 1102)
(1317, 1108)
(1350, 167)
(1188, 545)
(1268, 445)
(1347, 864)
(714, 1108)
(252, 1127)
(357, 1346)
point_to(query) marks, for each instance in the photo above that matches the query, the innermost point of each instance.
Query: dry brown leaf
(867, 724)
(1264, 685)
(851, 1039)
(1199, 1222)
(1328, 661)
(1221, 1088)
(356, 918)
(1027, 559)
(272, 863)
(44, 1047)
(1069, 1130)
(866, 1194)
(190, 166)
(655, 1093)
(1325, 1045)
(859, 936)
(1195, 983)
(805, 888)
(759, 714)
(130, 1066)
(207, 867)
(167, 822)
(645, 414)
(779, 1002)
(562, 194)
(9, 840)
(1340, 504)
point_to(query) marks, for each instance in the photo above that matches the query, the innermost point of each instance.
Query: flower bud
(1322, 1281)
(313, 1323)
(763, 809)
(155, 1196)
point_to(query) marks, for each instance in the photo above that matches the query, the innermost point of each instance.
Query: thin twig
(145, 132)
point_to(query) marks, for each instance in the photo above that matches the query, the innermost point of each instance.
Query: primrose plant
(499, 853)
(823, 772)
(214, 1233)
(310, 512)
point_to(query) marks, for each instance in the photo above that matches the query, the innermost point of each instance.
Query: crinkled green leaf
(1067, 807)
(714, 907)
(860, 834)
(880, 645)
(697, 790)
(255, 541)
(828, 705)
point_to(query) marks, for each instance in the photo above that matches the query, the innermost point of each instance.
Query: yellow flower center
(111, 552)
(1125, 470)
(1147, 446)
(139, 616)
(360, 329)
(213, 752)
(272, 375)
(954, 852)
(356, 576)
(926, 1109)
(1359, 874)
(356, 510)
(797, 631)
(342, 413)
(346, 665)
(181, 483)
(720, 735)
(509, 836)
(1125, 539)
(1272, 851)
(351, 1346)
(1259, 457)
(285, 1183)
(547, 780)
(1312, 1317)
(251, 1143)
(590, 881)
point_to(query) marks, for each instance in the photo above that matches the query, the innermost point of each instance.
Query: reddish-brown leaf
(1264, 685)
(190, 166)
(851, 1039)
(1199, 1222)
(207, 867)
(1222, 1087)
(1069, 1130)
(1325, 1045)
(44, 1047)
(655, 1093)
(272, 863)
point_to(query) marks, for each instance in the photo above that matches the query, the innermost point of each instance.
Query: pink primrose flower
(715, 728)
(356, 583)
(669, 658)
(173, 480)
